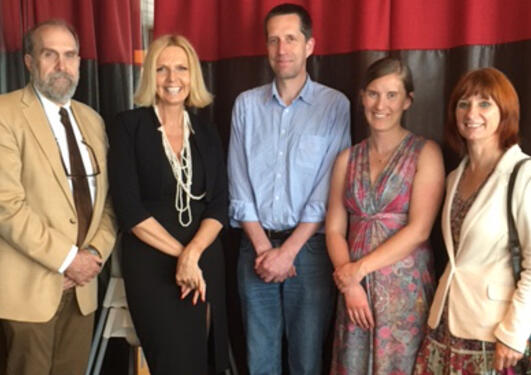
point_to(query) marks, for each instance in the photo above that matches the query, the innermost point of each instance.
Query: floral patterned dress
(399, 295)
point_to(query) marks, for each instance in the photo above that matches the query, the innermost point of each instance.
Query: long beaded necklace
(182, 170)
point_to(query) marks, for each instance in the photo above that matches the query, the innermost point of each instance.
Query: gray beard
(48, 89)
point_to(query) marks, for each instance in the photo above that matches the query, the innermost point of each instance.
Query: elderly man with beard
(56, 223)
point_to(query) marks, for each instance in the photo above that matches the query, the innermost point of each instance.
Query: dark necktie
(80, 185)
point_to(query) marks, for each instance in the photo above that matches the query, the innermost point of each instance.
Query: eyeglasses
(93, 161)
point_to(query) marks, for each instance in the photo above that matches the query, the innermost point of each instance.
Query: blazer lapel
(38, 123)
(476, 210)
(495, 181)
(453, 182)
(201, 141)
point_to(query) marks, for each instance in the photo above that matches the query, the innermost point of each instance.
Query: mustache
(58, 75)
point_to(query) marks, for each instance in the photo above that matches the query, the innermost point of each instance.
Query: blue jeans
(301, 307)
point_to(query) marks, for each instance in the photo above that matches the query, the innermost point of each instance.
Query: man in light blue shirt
(285, 137)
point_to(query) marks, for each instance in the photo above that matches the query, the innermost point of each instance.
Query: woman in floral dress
(479, 321)
(384, 197)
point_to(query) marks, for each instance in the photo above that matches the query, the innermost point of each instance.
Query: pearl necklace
(182, 170)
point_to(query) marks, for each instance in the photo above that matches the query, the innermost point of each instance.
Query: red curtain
(232, 28)
(109, 30)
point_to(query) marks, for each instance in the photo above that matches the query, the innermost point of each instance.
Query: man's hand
(274, 265)
(68, 283)
(84, 267)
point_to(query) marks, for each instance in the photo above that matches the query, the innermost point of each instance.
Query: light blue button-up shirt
(281, 157)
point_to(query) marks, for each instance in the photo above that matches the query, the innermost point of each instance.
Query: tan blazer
(38, 222)
(483, 303)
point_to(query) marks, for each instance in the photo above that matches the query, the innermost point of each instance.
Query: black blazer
(137, 162)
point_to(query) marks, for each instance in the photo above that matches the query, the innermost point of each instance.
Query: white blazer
(478, 280)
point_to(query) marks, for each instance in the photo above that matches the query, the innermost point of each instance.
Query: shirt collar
(49, 106)
(306, 94)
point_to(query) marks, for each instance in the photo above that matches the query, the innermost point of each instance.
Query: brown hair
(389, 65)
(288, 8)
(487, 82)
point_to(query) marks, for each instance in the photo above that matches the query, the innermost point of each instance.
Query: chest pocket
(310, 152)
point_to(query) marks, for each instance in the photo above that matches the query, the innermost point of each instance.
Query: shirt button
(280, 153)
(282, 131)
(276, 198)
(278, 175)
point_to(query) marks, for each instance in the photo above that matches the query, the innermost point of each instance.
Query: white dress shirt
(54, 119)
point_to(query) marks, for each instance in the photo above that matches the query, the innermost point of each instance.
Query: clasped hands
(348, 274)
(189, 276)
(85, 266)
(347, 278)
(274, 265)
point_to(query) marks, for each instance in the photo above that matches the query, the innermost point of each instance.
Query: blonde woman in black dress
(169, 189)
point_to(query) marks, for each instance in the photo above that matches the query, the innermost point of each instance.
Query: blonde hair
(145, 94)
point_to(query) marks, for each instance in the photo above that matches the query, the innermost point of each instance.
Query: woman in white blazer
(479, 322)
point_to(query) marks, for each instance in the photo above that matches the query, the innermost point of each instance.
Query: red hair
(487, 82)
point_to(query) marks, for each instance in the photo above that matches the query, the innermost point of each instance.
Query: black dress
(172, 331)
